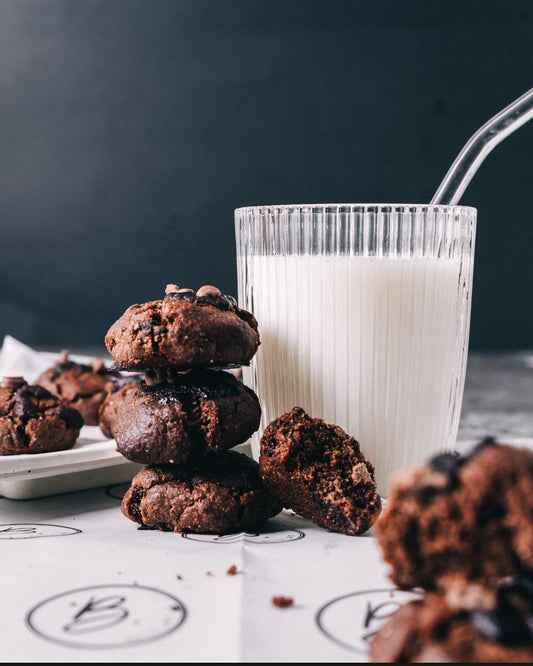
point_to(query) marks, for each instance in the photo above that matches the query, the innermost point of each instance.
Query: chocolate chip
(37, 391)
(509, 622)
(210, 299)
(72, 417)
(23, 408)
(488, 441)
(222, 302)
(231, 302)
(449, 464)
(523, 585)
(183, 295)
(518, 593)
(206, 295)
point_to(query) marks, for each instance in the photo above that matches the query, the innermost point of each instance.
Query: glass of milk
(364, 317)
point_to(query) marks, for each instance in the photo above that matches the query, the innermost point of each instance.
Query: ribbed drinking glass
(364, 317)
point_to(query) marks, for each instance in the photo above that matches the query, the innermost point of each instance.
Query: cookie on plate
(199, 412)
(465, 623)
(220, 494)
(184, 330)
(320, 472)
(79, 385)
(468, 515)
(117, 390)
(33, 420)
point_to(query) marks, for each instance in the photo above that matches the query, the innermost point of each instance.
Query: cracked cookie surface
(202, 412)
(184, 330)
(219, 494)
(33, 420)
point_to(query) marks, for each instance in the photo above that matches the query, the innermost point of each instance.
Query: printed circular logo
(34, 530)
(107, 616)
(271, 533)
(351, 620)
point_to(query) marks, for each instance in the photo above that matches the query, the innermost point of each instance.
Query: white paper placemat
(82, 583)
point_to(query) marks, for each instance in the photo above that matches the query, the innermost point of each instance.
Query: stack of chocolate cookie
(182, 421)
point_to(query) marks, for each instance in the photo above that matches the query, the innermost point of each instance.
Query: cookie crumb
(232, 570)
(282, 602)
(179, 577)
(208, 573)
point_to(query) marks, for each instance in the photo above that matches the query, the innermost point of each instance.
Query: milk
(376, 345)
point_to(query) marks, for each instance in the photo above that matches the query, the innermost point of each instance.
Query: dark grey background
(130, 130)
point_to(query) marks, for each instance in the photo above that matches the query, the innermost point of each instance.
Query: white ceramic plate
(93, 461)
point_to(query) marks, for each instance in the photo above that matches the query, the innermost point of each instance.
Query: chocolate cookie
(319, 471)
(33, 420)
(202, 411)
(466, 623)
(184, 330)
(117, 390)
(219, 494)
(78, 385)
(460, 515)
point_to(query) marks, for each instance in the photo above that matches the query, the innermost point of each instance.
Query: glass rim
(359, 207)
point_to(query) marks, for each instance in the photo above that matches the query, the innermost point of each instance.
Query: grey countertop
(498, 396)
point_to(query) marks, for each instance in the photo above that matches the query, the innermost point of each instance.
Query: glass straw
(479, 146)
